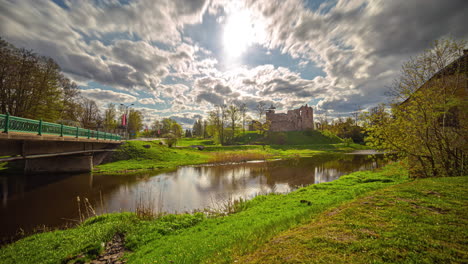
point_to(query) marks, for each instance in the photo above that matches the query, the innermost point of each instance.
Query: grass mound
(303, 138)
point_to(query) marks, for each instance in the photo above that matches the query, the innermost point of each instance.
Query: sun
(239, 33)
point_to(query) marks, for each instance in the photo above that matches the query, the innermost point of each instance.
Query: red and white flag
(124, 120)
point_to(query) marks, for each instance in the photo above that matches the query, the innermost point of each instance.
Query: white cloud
(108, 96)
(150, 101)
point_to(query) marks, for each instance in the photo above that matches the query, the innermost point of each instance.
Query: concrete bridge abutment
(72, 163)
(54, 154)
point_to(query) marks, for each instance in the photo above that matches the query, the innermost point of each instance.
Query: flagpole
(127, 120)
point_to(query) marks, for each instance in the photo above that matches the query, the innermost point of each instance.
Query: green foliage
(135, 122)
(346, 128)
(249, 137)
(170, 139)
(307, 137)
(430, 126)
(133, 155)
(348, 141)
(33, 86)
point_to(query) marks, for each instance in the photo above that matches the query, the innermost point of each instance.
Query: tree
(188, 133)
(205, 132)
(197, 129)
(429, 126)
(214, 125)
(155, 128)
(135, 122)
(223, 110)
(176, 129)
(243, 112)
(261, 108)
(233, 114)
(89, 116)
(33, 86)
(110, 116)
(173, 131)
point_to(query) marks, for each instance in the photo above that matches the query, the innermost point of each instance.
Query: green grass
(185, 142)
(195, 238)
(249, 137)
(133, 156)
(423, 221)
(306, 137)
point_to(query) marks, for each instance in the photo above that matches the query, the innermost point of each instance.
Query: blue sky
(180, 58)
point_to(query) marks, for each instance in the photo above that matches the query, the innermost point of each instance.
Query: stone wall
(293, 120)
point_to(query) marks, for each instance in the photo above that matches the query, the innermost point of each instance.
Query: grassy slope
(308, 137)
(193, 238)
(133, 156)
(424, 221)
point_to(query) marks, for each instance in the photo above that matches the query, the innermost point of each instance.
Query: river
(32, 201)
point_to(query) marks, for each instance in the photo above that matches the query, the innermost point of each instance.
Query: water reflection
(29, 201)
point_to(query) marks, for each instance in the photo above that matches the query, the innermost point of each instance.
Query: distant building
(294, 120)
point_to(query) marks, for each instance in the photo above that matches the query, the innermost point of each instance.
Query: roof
(459, 65)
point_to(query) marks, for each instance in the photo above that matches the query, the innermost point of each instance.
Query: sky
(180, 58)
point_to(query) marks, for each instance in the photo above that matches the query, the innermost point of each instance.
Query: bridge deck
(46, 137)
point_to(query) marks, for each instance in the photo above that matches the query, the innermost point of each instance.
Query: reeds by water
(236, 157)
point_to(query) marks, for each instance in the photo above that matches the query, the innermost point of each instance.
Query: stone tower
(294, 120)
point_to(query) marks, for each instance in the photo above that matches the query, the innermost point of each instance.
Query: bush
(170, 139)
(348, 141)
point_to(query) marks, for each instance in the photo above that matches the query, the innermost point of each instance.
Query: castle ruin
(294, 120)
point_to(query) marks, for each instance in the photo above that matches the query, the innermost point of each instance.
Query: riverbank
(139, 156)
(423, 221)
(194, 238)
(378, 216)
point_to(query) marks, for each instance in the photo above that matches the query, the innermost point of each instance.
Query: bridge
(49, 147)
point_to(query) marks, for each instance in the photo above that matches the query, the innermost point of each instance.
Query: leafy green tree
(33, 86)
(110, 117)
(197, 129)
(135, 122)
(429, 126)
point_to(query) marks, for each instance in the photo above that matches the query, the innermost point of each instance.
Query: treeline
(33, 86)
(351, 127)
(223, 124)
(227, 122)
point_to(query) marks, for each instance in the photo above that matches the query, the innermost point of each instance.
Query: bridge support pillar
(72, 163)
(99, 157)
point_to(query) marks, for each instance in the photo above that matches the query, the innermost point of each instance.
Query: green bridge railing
(18, 124)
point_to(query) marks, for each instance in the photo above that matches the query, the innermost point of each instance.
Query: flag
(124, 120)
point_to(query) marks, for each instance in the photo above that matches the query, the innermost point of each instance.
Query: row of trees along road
(428, 118)
(33, 86)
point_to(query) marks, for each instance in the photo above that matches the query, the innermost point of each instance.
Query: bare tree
(243, 112)
(233, 114)
(261, 108)
(89, 116)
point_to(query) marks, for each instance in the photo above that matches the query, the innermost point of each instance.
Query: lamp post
(127, 119)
